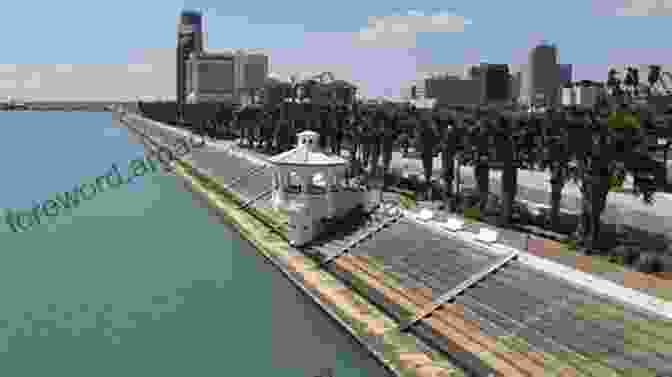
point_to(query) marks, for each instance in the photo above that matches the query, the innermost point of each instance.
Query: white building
(310, 185)
(568, 96)
(581, 95)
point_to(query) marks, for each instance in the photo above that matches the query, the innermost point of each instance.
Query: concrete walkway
(579, 278)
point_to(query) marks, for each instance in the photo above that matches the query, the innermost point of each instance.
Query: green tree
(450, 131)
(556, 156)
(610, 146)
(428, 138)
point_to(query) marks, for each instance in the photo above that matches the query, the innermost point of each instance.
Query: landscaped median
(266, 229)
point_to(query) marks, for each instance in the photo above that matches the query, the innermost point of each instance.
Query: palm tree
(629, 81)
(450, 131)
(653, 77)
(480, 140)
(635, 80)
(374, 140)
(428, 142)
(390, 131)
(556, 157)
(505, 147)
(614, 83)
(613, 146)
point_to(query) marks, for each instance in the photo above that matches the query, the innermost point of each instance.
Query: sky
(126, 49)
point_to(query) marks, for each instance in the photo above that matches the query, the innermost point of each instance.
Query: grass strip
(609, 264)
(650, 334)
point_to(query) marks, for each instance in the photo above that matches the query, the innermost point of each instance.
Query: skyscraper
(543, 81)
(189, 39)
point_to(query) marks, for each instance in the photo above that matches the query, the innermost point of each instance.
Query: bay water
(142, 279)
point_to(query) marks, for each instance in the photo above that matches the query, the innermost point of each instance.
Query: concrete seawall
(296, 277)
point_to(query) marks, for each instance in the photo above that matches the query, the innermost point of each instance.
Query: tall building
(251, 74)
(226, 77)
(189, 40)
(495, 82)
(541, 77)
(452, 91)
(211, 78)
(565, 74)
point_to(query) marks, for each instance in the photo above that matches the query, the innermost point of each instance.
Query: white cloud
(140, 68)
(640, 8)
(34, 81)
(63, 68)
(7, 84)
(7, 68)
(402, 30)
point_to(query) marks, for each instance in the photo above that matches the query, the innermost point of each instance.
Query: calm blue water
(140, 280)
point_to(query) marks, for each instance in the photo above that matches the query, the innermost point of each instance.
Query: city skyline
(376, 46)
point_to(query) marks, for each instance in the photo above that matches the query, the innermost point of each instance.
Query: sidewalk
(630, 287)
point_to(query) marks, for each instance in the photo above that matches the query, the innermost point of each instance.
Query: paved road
(534, 187)
(517, 299)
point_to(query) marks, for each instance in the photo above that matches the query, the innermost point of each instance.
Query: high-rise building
(452, 91)
(225, 77)
(541, 77)
(189, 39)
(495, 82)
(251, 74)
(212, 78)
(565, 74)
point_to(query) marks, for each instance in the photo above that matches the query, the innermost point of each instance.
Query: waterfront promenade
(557, 321)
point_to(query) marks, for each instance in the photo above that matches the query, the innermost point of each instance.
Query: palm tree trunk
(557, 184)
(428, 167)
(509, 191)
(482, 175)
(448, 175)
(594, 189)
(509, 186)
(375, 155)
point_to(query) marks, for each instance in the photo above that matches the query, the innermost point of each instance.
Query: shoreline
(301, 270)
(197, 189)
